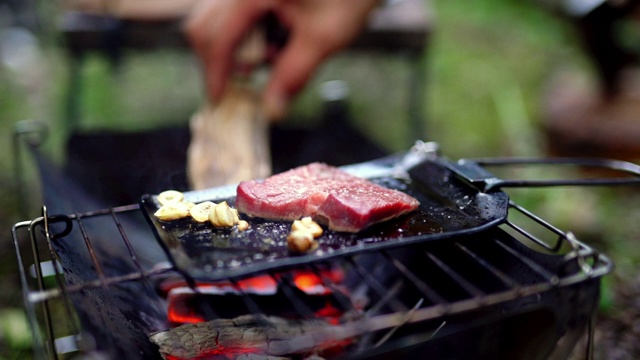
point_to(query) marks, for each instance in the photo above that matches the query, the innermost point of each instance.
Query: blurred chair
(601, 119)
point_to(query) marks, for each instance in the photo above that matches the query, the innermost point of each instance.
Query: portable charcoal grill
(509, 287)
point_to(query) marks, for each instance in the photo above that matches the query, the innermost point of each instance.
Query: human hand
(318, 29)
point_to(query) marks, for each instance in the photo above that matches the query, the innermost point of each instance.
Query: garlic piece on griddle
(170, 196)
(172, 211)
(302, 237)
(301, 241)
(221, 215)
(200, 212)
(307, 224)
(243, 225)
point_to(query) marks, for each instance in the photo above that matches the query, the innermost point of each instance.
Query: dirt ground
(617, 332)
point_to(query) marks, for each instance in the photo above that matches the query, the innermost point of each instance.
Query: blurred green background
(487, 69)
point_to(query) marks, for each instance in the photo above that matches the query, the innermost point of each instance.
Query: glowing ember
(224, 299)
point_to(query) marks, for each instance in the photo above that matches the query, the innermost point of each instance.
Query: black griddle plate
(449, 207)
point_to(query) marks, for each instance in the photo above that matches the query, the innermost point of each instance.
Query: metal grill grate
(94, 288)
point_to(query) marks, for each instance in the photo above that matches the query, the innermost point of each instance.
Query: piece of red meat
(329, 195)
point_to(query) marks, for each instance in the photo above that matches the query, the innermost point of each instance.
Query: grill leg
(590, 337)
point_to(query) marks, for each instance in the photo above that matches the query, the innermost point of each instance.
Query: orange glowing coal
(185, 303)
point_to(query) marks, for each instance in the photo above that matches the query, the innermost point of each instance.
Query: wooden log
(247, 334)
(274, 336)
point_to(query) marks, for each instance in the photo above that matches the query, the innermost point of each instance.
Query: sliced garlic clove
(243, 225)
(236, 215)
(307, 224)
(222, 216)
(170, 196)
(200, 212)
(301, 241)
(172, 211)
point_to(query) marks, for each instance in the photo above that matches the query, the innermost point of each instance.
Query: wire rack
(405, 298)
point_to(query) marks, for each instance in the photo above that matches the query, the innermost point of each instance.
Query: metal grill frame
(39, 297)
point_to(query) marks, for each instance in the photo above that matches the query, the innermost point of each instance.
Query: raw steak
(329, 195)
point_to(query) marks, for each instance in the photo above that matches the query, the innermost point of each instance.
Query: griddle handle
(490, 183)
(54, 219)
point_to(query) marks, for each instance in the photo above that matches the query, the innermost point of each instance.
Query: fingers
(202, 23)
(318, 29)
(220, 58)
(290, 72)
(202, 27)
(215, 31)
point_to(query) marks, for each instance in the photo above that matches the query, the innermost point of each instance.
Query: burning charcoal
(259, 335)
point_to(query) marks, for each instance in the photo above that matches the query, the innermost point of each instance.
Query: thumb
(289, 74)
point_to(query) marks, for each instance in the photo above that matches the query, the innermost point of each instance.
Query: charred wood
(244, 335)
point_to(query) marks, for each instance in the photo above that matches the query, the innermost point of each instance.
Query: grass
(487, 67)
